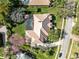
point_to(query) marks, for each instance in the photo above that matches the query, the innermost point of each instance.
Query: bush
(39, 10)
(54, 35)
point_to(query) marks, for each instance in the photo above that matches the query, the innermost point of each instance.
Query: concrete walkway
(47, 45)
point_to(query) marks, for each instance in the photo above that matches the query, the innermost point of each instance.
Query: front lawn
(76, 27)
(54, 35)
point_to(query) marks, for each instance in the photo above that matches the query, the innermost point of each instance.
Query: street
(67, 37)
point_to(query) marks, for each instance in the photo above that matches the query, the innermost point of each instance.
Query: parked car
(60, 54)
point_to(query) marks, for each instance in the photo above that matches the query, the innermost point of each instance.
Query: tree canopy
(17, 15)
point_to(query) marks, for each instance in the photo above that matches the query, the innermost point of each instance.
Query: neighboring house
(3, 35)
(35, 2)
(39, 26)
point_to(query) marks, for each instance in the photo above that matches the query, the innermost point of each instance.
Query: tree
(17, 16)
(39, 10)
(4, 6)
(55, 3)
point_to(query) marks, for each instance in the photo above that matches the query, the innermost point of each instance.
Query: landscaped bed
(41, 54)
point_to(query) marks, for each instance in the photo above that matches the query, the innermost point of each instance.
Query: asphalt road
(67, 37)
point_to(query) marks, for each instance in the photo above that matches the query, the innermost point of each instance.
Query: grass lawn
(20, 29)
(77, 0)
(75, 49)
(1, 52)
(76, 27)
(1, 17)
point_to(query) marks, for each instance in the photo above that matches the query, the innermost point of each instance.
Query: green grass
(20, 29)
(1, 52)
(76, 27)
(75, 48)
(58, 51)
(1, 17)
(45, 55)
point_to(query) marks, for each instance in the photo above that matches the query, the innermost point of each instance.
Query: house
(35, 2)
(39, 26)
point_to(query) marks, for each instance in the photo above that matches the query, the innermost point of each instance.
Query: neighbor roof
(39, 2)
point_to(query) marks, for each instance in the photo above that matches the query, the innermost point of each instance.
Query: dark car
(60, 54)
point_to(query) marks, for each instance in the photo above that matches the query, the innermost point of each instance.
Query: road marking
(70, 49)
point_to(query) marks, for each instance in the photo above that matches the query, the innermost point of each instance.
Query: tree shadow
(53, 21)
(53, 17)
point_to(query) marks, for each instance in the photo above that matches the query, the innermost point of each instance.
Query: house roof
(41, 17)
(39, 2)
(35, 33)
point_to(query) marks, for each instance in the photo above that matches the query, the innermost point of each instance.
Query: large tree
(17, 15)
